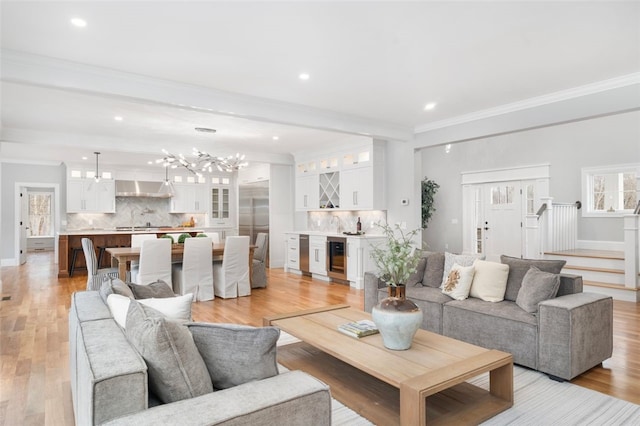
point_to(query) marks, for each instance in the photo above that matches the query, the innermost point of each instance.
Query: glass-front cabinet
(220, 205)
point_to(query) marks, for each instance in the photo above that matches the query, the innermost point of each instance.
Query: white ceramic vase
(398, 321)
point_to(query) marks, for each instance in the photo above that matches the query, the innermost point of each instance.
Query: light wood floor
(34, 372)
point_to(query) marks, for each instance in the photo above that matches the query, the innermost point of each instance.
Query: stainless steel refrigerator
(253, 204)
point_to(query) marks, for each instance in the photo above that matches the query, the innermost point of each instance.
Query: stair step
(594, 269)
(596, 254)
(607, 285)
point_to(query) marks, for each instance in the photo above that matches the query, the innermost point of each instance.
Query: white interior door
(24, 225)
(502, 225)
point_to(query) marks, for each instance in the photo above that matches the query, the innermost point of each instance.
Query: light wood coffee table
(423, 384)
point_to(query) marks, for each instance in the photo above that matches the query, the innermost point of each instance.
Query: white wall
(12, 173)
(567, 147)
(281, 211)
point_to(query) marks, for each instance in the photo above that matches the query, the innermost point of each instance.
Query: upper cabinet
(349, 180)
(189, 198)
(307, 192)
(222, 211)
(85, 195)
(89, 196)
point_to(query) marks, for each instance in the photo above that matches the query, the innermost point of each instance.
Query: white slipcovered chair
(95, 276)
(137, 239)
(259, 269)
(215, 237)
(231, 276)
(155, 262)
(195, 273)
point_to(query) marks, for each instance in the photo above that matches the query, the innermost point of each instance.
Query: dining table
(122, 256)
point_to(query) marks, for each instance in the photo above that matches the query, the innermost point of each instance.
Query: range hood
(139, 188)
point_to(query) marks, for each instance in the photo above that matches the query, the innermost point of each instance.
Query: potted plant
(397, 318)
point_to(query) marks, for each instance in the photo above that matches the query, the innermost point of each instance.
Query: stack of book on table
(358, 329)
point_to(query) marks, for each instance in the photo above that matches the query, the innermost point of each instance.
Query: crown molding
(563, 95)
(26, 68)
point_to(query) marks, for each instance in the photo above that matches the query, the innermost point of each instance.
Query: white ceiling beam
(608, 97)
(24, 68)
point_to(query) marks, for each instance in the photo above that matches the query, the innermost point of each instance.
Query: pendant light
(97, 176)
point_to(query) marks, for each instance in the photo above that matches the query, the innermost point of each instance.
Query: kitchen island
(70, 242)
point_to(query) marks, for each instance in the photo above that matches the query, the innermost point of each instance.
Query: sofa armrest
(575, 333)
(371, 285)
(569, 284)
(293, 398)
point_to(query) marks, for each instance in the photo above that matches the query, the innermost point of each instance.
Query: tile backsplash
(131, 211)
(345, 221)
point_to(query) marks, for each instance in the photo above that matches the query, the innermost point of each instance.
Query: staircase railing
(554, 227)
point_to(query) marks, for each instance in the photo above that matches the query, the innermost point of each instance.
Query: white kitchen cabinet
(89, 196)
(307, 192)
(357, 190)
(221, 207)
(318, 254)
(359, 258)
(189, 198)
(293, 251)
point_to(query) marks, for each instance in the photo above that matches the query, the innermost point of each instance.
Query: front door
(501, 225)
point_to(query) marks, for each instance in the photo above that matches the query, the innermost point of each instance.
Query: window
(40, 214)
(501, 195)
(610, 191)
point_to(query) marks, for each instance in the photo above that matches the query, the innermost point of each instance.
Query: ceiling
(372, 63)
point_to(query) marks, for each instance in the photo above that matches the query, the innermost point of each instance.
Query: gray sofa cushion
(500, 325)
(112, 285)
(434, 269)
(519, 267)
(158, 290)
(176, 369)
(537, 286)
(236, 354)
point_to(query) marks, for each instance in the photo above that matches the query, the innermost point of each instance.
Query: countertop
(118, 231)
(335, 234)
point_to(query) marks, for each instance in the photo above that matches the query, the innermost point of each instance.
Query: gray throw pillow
(158, 290)
(111, 285)
(236, 354)
(434, 269)
(451, 259)
(519, 267)
(416, 277)
(537, 286)
(175, 368)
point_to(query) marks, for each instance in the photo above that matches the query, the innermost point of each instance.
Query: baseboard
(8, 262)
(600, 245)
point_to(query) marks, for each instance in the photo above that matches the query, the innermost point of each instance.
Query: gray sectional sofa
(109, 384)
(569, 334)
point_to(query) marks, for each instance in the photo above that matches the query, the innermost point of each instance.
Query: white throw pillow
(489, 281)
(461, 259)
(174, 308)
(459, 282)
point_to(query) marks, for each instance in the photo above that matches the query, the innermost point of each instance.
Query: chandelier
(201, 162)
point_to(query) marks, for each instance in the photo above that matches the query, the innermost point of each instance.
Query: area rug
(538, 401)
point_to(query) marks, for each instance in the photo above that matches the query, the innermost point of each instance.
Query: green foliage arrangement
(201, 236)
(398, 257)
(429, 189)
(183, 237)
(169, 237)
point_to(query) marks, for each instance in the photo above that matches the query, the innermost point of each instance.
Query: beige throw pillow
(489, 281)
(459, 282)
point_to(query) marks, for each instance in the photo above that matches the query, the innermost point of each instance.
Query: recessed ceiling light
(117, 118)
(84, 158)
(149, 162)
(304, 76)
(275, 138)
(78, 22)
(430, 106)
